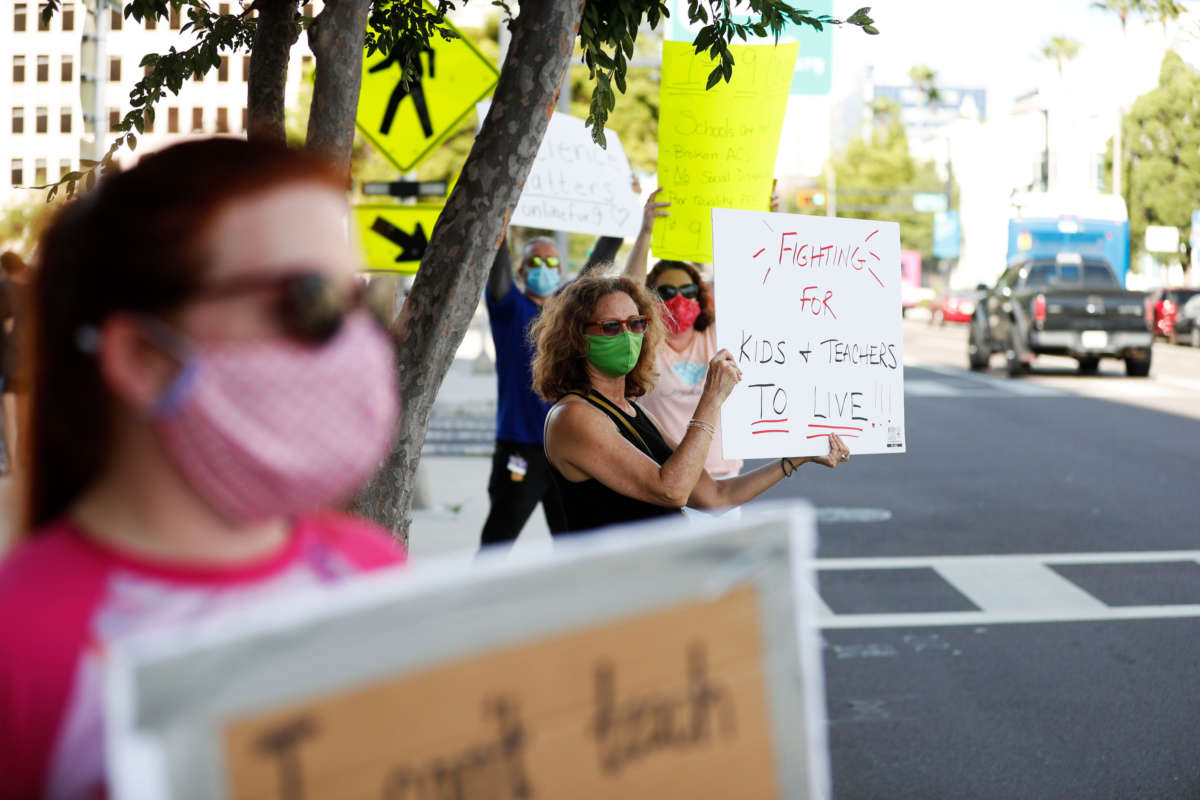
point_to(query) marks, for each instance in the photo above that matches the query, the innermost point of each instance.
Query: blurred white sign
(810, 308)
(1162, 239)
(577, 186)
(510, 676)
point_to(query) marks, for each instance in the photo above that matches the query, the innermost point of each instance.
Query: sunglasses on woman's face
(308, 305)
(612, 327)
(538, 261)
(667, 292)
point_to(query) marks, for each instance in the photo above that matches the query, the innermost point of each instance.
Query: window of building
(151, 22)
(64, 166)
(18, 119)
(39, 171)
(114, 68)
(172, 120)
(18, 19)
(222, 120)
(115, 19)
(224, 8)
(43, 23)
(114, 119)
(68, 69)
(308, 10)
(176, 20)
(18, 69)
(223, 70)
(43, 69)
(197, 120)
(68, 16)
(18, 172)
(64, 119)
(243, 120)
(42, 120)
(305, 64)
(245, 68)
(147, 122)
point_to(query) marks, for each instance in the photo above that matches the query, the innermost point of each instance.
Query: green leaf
(714, 78)
(132, 140)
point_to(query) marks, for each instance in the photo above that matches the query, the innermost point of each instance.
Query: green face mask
(614, 355)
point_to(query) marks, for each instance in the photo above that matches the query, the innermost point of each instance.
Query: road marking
(1004, 385)
(1008, 589)
(826, 516)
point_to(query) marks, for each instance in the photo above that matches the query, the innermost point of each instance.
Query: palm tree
(925, 79)
(1165, 10)
(1122, 8)
(1060, 49)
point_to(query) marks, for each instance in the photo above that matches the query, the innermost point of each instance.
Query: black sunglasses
(689, 291)
(309, 306)
(612, 327)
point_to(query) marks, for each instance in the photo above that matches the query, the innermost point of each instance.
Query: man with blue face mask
(520, 476)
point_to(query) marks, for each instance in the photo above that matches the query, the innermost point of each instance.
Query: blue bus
(1044, 224)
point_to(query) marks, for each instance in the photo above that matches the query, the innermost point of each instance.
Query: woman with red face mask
(690, 344)
(206, 379)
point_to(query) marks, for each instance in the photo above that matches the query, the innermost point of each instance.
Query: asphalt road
(1022, 620)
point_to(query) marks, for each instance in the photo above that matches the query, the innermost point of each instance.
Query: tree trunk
(273, 40)
(450, 282)
(336, 39)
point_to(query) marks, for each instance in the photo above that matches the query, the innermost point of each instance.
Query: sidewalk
(456, 460)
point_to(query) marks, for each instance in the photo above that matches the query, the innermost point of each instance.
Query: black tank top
(589, 503)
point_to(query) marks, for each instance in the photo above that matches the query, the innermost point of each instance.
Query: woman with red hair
(205, 382)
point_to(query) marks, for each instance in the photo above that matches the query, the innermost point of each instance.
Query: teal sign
(814, 65)
(929, 202)
(946, 234)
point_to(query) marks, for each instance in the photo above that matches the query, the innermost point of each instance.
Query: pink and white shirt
(64, 597)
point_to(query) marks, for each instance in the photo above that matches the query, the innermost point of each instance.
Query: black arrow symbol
(412, 245)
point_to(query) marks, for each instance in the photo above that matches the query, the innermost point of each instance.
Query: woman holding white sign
(596, 344)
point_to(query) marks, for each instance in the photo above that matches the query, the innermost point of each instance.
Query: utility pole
(1118, 153)
(93, 78)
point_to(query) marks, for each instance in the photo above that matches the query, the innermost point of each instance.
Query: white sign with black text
(577, 186)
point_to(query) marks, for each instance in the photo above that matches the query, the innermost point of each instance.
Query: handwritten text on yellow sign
(716, 147)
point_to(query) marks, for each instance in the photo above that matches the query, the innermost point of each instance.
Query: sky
(991, 44)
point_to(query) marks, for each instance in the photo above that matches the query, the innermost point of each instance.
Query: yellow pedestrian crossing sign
(394, 236)
(405, 124)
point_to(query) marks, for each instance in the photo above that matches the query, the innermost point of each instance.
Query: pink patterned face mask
(276, 428)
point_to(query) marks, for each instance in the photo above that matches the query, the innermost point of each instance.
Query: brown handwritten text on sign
(667, 704)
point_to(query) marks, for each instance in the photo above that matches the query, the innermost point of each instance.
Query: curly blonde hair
(560, 366)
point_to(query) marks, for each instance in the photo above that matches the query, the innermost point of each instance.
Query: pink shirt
(673, 399)
(64, 596)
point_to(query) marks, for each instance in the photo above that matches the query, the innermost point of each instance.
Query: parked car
(1187, 322)
(1167, 303)
(1069, 306)
(956, 305)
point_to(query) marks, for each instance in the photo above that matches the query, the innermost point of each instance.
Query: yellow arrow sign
(393, 236)
(406, 124)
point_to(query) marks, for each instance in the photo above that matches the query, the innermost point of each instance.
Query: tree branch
(336, 39)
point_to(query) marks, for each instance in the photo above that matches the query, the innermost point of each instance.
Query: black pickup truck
(1068, 306)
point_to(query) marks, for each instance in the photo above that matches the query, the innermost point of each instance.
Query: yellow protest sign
(393, 236)
(405, 124)
(716, 147)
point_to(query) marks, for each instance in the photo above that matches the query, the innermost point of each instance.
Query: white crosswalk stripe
(1008, 589)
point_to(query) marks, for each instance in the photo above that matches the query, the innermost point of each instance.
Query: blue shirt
(520, 412)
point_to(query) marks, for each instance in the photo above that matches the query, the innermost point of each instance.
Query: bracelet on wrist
(787, 467)
(708, 427)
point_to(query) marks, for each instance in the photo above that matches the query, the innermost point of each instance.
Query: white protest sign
(577, 186)
(810, 308)
(671, 659)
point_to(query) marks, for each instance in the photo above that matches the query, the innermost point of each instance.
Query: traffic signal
(810, 198)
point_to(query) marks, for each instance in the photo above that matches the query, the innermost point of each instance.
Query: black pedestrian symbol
(412, 245)
(416, 90)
